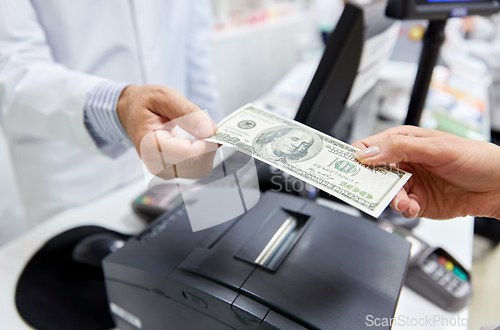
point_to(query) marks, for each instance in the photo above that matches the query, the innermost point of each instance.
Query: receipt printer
(288, 263)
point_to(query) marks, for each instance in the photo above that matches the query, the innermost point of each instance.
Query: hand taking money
(149, 115)
(311, 156)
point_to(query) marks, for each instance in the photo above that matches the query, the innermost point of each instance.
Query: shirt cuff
(101, 118)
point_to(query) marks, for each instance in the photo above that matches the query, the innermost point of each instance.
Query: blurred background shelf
(256, 42)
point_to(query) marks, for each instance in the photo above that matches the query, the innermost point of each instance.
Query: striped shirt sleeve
(101, 117)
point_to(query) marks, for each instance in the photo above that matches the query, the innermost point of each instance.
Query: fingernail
(412, 216)
(396, 202)
(369, 152)
(205, 129)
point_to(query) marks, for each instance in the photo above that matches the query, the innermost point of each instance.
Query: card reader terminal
(152, 204)
(434, 273)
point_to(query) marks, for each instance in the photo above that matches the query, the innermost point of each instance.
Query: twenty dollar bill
(312, 157)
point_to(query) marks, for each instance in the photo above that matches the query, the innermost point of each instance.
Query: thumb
(402, 148)
(180, 111)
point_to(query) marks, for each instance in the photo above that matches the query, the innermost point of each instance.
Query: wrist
(123, 105)
(101, 117)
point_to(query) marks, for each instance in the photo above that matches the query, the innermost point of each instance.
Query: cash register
(288, 263)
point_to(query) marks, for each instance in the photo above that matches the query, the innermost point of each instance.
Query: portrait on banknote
(287, 144)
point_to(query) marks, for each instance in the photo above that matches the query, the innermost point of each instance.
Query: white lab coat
(52, 52)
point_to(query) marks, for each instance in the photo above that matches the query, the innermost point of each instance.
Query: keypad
(447, 275)
(145, 200)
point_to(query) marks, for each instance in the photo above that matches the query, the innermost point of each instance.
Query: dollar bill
(311, 156)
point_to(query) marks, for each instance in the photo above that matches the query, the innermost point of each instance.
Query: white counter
(114, 212)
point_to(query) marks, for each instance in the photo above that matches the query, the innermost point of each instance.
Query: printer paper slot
(269, 246)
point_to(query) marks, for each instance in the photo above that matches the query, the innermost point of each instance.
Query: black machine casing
(338, 270)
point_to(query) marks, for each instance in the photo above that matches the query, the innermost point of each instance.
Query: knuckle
(159, 93)
(397, 147)
(395, 142)
(400, 130)
(188, 108)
